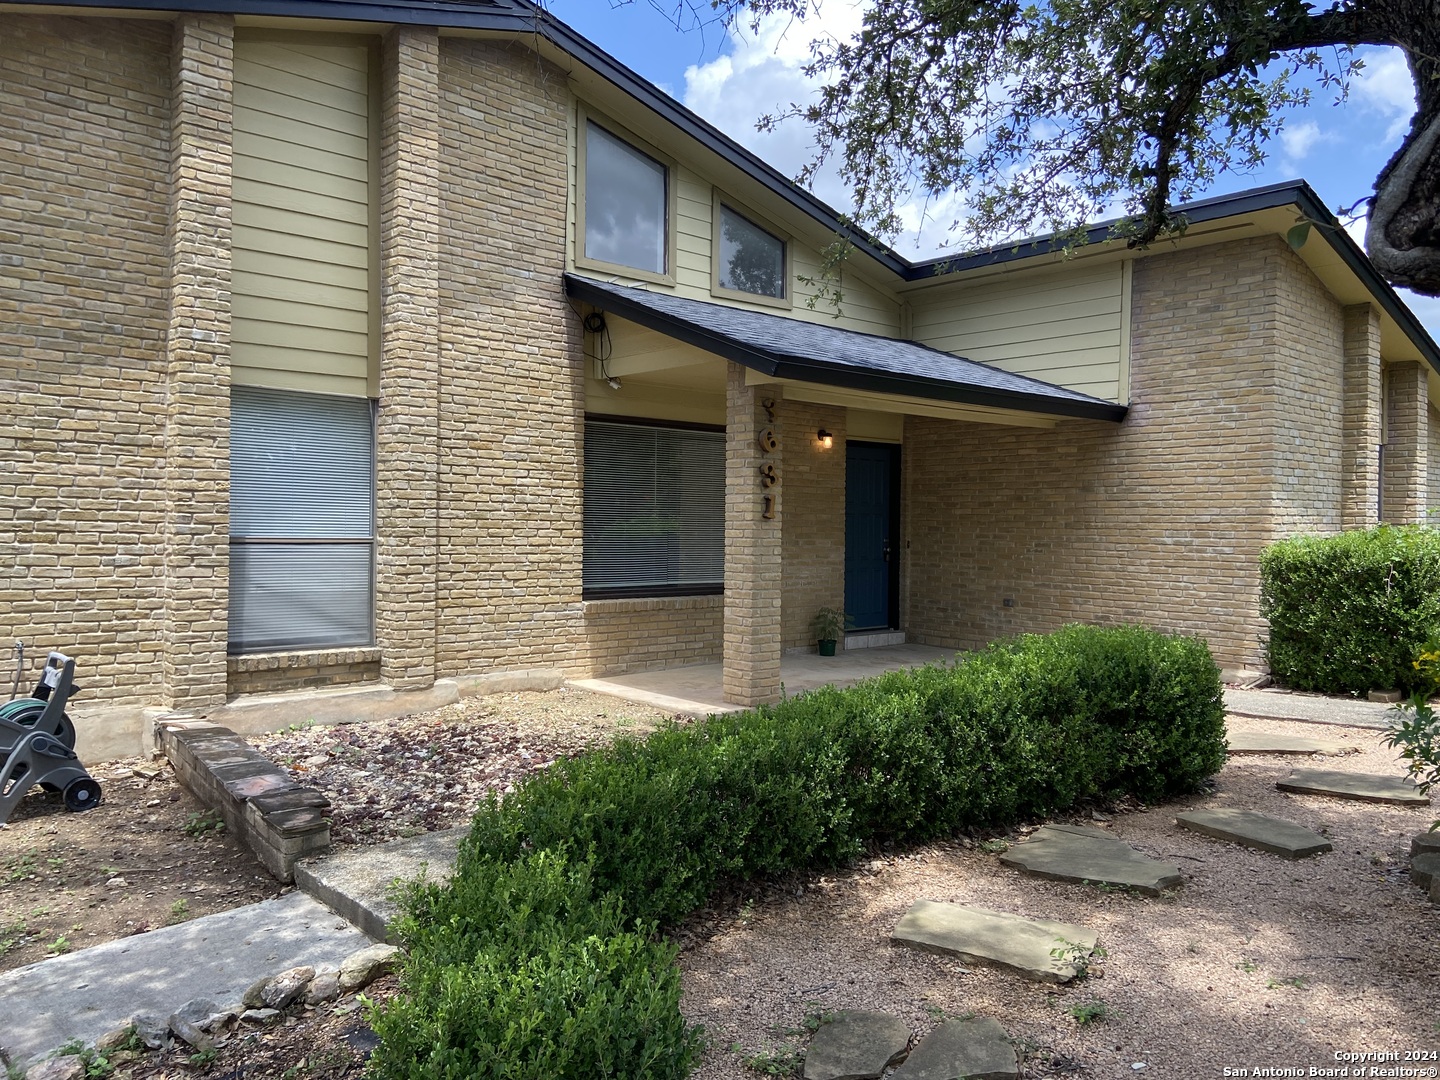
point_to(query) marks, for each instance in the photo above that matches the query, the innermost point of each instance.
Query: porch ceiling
(789, 349)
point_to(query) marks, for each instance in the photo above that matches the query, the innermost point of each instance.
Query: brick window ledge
(653, 603)
(249, 663)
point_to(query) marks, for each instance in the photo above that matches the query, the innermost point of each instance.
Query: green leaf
(1297, 236)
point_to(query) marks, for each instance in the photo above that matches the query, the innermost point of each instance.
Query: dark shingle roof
(788, 348)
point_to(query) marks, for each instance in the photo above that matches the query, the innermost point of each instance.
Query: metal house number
(769, 475)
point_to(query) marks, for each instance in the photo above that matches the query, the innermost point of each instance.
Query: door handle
(887, 549)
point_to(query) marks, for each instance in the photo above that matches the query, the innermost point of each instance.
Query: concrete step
(1255, 830)
(1076, 854)
(1037, 949)
(356, 883)
(1364, 787)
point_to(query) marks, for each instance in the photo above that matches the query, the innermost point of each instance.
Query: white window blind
(654, 510)
(302, 520)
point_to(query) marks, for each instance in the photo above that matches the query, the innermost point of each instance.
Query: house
(380, 344)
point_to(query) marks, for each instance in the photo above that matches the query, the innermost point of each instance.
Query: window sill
(625, 606)
(248, 663)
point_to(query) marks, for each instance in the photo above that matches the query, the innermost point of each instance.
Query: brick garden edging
(279, 820)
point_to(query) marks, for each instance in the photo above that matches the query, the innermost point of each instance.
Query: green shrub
(572, 872)
(1348, 613)
(519, 970)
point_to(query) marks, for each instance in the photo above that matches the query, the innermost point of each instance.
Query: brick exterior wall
(1433, 471)
(197, 362)
(273, 673)
(510, 368)
(84, 269)
(648, 633)
(750, 671)
(1158, 520)
(1360, 476)
(114, 344)
(1406, 444)
(813, 562)
(408, 425)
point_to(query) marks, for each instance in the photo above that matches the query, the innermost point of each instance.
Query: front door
(872, 561)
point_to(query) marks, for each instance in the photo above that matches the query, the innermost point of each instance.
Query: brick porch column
(408, 427)
(197, 365)
(753, 547)
(1360, 427)
(1406, 443)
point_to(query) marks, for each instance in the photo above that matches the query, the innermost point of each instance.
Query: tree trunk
(1403, 233)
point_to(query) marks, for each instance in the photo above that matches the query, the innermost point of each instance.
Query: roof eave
(783, 366)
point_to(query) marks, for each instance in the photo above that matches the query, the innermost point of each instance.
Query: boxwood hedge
(1348, 613)
(541, 957)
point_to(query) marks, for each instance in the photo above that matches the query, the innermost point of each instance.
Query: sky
(731, 78)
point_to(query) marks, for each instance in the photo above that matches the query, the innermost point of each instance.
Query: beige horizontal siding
(1065, 328)
(864, 308)
(303, 213)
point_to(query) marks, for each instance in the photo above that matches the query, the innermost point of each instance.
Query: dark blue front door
(871, 557)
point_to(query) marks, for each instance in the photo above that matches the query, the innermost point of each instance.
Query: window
(627, 199)
(749, 259)
(302, 520)
(654, 510)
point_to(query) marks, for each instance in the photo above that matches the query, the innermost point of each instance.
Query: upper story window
(626, 204)
(749, 259)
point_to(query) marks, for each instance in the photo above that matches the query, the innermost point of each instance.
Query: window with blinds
(302, 520)
(654, 510)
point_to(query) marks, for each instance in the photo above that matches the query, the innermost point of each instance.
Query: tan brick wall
(1406, 443)
(84, 160)
(753, 545)
(510, 368)
(1432, 471)
(1360, 477)
(273, 673)
(652, 632)
(408, 427)
(814, 520)
(1308, 398)
(1159, 520)
(197, 362)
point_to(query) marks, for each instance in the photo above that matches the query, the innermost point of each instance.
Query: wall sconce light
(826, 439)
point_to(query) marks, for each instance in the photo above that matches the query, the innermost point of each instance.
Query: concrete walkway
(1312, 708)
(697, 687)
(84, 994)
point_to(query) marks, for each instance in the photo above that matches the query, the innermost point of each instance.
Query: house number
(769, 475)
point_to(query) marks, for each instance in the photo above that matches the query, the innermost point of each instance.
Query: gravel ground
(1254, 963)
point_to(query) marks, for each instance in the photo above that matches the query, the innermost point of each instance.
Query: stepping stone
(1259, 742)
(975, 1049)
(1425, 870)
(1365, 787)
(856, 1045)
(981, 936)
(1255, 830)
(1424, 842)
(1074, 853)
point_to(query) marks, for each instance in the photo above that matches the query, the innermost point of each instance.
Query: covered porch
(796, 405)
(699, 688)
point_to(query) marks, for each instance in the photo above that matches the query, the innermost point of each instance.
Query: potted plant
(828, 625)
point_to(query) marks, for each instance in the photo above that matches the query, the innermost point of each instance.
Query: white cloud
(761, 73)
(1298, 140)
(1385, 86)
